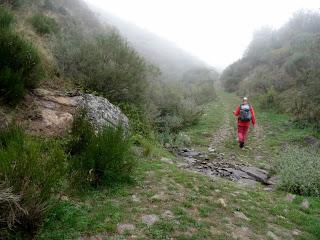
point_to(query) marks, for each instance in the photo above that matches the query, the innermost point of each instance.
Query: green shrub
(105, 157)
(82, 133)
(268, 100)
(33, 169)
(189, 112)
(147, 145)
(299, 170)
(106, 64)
(139, 123)
(20, 67)
(44, 25)
(6, 18)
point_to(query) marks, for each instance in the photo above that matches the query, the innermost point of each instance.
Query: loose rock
(272, 235)
(241, 215)
(168, 214)
(296, 232)
(123, 228)
(305, 204)
(222, 202)
(150, 219)
(290, 197)
(167, 160)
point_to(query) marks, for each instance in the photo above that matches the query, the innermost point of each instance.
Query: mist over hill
(281, 68)
(170, 58)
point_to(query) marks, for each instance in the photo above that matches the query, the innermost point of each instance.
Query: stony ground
(171, 201)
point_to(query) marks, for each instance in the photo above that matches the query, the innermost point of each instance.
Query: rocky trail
(218, 161)
(215, 164)
(208, 189)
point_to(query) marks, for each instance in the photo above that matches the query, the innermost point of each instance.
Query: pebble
(222, 202)
(241, 215)
(272, 235)
(290, 197)
(305, 204)
(122, 228)
(150, 219)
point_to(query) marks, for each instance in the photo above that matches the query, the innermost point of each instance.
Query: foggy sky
(217, 32)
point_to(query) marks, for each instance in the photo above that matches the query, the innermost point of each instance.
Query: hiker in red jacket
(245, 114)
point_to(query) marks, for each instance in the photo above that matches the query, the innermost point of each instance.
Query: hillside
(281, 68)
(172, 60)
(118, 134)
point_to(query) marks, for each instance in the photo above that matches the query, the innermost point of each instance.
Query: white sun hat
(245, 99)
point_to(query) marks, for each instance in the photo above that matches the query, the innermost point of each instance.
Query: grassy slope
(193, 198)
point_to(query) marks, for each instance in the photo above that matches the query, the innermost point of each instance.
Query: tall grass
(33, 169)
(43, 24)
(299, 170)
(99, 159)
(6, 18)
(20, 67)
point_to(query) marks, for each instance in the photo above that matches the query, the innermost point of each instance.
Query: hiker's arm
(237, 111)
(253, 116)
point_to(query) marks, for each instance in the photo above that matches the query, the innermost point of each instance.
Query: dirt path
(223, 157)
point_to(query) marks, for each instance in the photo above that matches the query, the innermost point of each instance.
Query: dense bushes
(20, 67)
(298, 168)
(282, 68)
(102, 158)
(105, 64)
(33, 169)
(43, 24)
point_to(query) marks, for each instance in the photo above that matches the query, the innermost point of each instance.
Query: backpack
(245, 113)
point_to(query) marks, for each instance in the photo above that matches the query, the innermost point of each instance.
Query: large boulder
(56, 111)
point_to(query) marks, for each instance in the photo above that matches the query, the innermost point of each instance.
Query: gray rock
(167, 214)
(102, 112)
(272, 235)
(150, 219)
(305, 204)
(247, 182)
(222, 202)
(123, 228)
(241, 216)
(257, 173)
(290, 197)
(296, 232)
(167, 160)
(273, 180)
(57, 109)
(135, 198)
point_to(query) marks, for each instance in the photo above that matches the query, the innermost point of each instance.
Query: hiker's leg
(245, 133)
(240, 134)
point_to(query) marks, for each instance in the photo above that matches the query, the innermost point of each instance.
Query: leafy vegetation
(281, 68)
(298, 168)
(99, 159)
(20, 67)
(30, 171)
(107, 65)
(44, 24)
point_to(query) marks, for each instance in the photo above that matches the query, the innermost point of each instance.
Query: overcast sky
(217, 32)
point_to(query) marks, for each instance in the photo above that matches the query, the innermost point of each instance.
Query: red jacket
(245, 124)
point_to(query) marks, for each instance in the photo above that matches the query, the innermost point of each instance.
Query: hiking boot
(241, 144)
